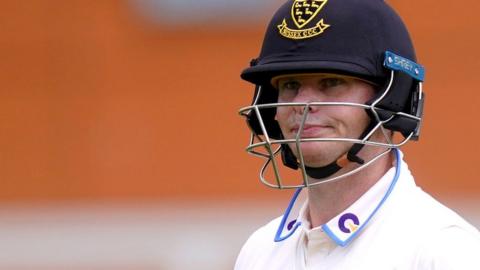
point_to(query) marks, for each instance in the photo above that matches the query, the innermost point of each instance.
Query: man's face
(322, 121)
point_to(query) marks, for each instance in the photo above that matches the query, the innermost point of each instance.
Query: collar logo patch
(303, 12)
(348, 223)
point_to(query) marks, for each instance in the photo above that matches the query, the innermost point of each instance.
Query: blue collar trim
(293, 225)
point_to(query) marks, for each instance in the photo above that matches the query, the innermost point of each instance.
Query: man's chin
(317, 159)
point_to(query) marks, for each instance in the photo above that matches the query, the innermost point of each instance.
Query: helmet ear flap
(264, 94)
(398, 94)
(401, 97)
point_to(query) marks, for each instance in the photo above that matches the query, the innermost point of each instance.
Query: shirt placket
(313, 248)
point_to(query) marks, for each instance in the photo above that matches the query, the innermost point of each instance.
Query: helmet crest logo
(303, 12)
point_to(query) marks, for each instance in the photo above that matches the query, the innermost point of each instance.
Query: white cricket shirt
(394, 225)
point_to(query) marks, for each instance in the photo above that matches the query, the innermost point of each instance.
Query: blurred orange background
(120, 141)
(97, 102)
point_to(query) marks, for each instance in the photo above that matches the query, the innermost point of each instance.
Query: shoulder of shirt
(443, 220)
(437, 215)
(258, 243)
(418, 210)
(453, 246)
(266, 233)
(442, 239)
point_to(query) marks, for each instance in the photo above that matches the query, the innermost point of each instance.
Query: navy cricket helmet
(360, 38)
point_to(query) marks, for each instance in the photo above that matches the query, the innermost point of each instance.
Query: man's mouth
(311, 131)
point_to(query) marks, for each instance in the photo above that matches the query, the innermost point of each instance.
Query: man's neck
(325, 201)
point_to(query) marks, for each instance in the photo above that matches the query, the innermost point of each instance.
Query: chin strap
(290, 160)
(330, 169)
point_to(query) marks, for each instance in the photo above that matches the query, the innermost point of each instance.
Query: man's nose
(307, 94)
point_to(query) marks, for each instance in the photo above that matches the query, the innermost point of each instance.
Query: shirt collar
(346, 226)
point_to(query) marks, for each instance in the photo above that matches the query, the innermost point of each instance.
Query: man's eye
(331, 82)
(290, 85)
